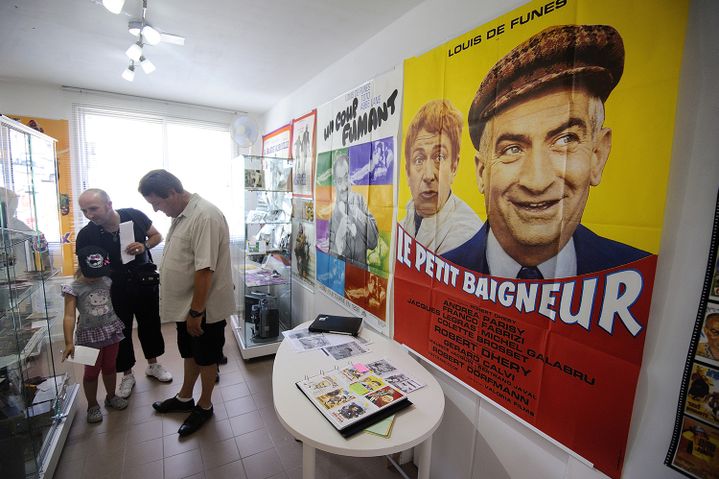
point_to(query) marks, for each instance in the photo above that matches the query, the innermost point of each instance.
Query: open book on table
(353, 398)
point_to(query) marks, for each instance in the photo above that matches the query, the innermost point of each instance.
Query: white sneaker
(126, 385)
(158, 372)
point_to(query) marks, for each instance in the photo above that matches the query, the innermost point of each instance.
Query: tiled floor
(243, 441)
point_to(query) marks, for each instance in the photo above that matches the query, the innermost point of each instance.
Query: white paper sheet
(84, 355)
(127, 236)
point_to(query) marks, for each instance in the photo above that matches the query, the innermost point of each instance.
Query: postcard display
(694, 449)
(560, 349)
(37, 400)
(266, 258)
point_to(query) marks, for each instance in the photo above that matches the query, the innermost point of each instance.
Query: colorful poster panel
(521, 268)
(354, 195)
(303, 152)
(277, 143)
(304, 257)
(703, 394)
(697, 454)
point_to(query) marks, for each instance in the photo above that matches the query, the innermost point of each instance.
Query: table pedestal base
(308, 461)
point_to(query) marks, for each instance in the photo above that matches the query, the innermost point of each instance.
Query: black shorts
(206, 349)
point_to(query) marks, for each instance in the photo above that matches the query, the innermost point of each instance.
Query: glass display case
(36, 398)
(263, 256)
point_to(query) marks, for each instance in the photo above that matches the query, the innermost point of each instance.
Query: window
(117, 147)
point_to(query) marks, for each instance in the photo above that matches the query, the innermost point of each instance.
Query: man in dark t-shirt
(129, 297)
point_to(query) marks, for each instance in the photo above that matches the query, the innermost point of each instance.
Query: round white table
(413, 426)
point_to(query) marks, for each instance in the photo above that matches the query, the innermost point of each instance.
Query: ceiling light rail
(147, 35)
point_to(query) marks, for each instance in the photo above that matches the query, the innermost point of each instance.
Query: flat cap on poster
(590, 54)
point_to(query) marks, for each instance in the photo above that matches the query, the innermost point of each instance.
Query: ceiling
(242, 55)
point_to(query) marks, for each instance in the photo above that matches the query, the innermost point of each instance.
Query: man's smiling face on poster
(536, 163)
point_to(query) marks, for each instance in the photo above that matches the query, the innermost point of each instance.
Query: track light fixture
(146, 35)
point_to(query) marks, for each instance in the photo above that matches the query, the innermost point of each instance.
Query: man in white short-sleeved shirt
(196, 289)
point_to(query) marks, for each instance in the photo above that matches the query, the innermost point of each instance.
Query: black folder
(327, 323)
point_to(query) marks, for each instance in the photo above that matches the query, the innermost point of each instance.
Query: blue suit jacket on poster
(594, 253)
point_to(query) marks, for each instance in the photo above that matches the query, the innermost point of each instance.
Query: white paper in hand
(84, 355)
(127, 236)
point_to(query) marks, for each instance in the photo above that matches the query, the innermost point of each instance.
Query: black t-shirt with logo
(92, 234)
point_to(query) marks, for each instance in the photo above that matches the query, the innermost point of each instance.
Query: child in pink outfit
(97, 327)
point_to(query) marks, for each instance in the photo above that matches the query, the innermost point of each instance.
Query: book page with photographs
(353, 393)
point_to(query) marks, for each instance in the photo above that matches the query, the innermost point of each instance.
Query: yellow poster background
(628, 204)
(60, 130)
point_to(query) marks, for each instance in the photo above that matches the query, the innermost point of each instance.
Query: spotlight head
(113, 6)
(134, 52)
(129, 73)
(147, 66)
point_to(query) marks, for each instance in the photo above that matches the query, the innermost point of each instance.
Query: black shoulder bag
(146, 274)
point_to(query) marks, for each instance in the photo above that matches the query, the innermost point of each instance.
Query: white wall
(21, 97)
(500, 447)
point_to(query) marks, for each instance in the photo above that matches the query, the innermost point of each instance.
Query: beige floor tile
(254, 442)
(214, 431)
(174, 444)
(263, 465)
(183, 465)
(69, 468)
(233, 470)
(219, 453)
(230, 378)
(240, 406)
(150, 429)
(247, 422)
(152, 470)
(234, 391)
(143, 452)
(290, 454)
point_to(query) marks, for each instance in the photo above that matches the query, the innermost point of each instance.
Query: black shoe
(195, 420)
(173, 405)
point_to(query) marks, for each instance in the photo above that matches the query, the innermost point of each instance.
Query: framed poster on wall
(303, 152)
(277, 143)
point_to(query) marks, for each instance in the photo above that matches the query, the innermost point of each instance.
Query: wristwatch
(196, 314)
(147, 246)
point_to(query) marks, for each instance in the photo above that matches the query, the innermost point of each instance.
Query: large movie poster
(532, 181)
(354, 195)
